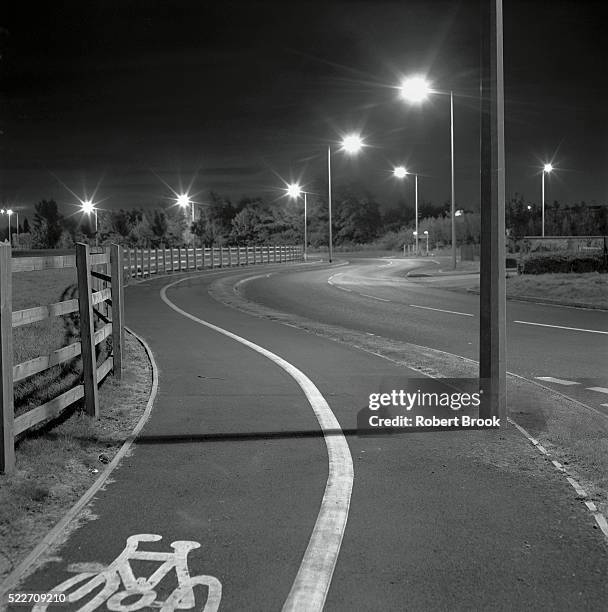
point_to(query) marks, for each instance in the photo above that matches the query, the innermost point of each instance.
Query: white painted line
(343, 288)
(558, 381)
(464, 314)
(605, 405)
(59, 529)
(312, 581)
(373, 297)
(591, 331)
(598, 389)
(600, 519)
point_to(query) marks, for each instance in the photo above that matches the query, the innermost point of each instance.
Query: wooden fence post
(87, 330)
(203, 257)
(141, 256)
(149, 262)
(118, 311)
(187, 258)
(127, 276)
(7, 432)
(164, 260)
(238, 255)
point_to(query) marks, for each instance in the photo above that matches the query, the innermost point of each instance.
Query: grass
(589, 288)
(56, 466)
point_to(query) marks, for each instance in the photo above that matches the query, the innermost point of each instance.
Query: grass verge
(56, 466)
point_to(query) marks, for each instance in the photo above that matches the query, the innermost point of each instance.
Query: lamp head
(183, 200)
(415, 89)
(426, 232)
(294, 190)
(547, 168)
(399, 172)
(352, 143)
(88, 206)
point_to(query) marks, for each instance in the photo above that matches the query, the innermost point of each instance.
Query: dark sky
(230, 96)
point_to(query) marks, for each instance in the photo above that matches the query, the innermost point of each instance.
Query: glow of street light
(352, 143)
(547, 168)
(88, 206)
(183, 200)
(9, 212)
(459, 213)
(400, 172)
(294, 190)
(426, 232)
(415, 89)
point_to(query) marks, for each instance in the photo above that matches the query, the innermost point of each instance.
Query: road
(564, 348)
(251, 452)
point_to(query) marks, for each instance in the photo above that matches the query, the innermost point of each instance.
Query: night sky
(235, 96)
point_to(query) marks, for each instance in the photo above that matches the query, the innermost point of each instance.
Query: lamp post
(351, 144)
(426, 233)
(294, 191)
(10, 213)
(400, 172)
(547, 168)
(183, 201)
(88, 207)
(415, 90)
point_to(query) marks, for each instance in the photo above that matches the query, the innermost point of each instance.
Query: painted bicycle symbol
(138, 593)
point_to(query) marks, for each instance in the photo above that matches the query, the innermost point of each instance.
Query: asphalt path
(561, 347)
(234, 459)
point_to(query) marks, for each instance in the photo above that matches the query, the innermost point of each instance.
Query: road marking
(591, 331)
(373, 297)
(598, 389)
(312, 581)
(120, 574)
(558, 381)
(464, 314)
(604, 405)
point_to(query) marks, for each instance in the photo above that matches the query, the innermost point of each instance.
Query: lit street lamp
(294, 191)
(547, 168)
(426, 233)
(183, 201)
(88, 207)
(9, 212)
(400, 172)
(351, 144)
(416, 90)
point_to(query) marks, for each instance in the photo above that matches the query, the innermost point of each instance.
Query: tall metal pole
(305, 225)
(453, 191)
(416, 208)
(329, 199)
(543, 206)
(96, 237)
(492, 328)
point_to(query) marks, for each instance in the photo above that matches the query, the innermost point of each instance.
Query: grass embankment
(55, 466)
(590, 288)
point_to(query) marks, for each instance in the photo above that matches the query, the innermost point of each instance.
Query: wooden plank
(104, 369)
(39, 313)
(50, 262)
(99, 259)
(128, 265)
(7, 408)
(102, 333)
(85, 309)
(33, 366)
(101, 296)
(149, 258)
(50, 410)
(118, 309)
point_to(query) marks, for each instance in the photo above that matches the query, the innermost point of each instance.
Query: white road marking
(598, 389)
(373, 297)
(120, 574)
(591, 331)
(605, 405)
(558, 381)
(312, 581)
(464, 314)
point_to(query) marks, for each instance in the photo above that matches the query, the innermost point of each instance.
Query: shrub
(542, 262)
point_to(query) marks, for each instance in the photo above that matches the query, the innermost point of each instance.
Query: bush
(542, 262)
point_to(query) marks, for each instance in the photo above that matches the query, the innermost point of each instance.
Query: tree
(48, 225)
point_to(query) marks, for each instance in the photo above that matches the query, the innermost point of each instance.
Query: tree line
(358, 218)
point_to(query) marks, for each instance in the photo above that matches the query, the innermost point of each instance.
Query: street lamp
(88, 207)
(547, 168)
(416, 90)
(400, 172)
(426, 233)
(294, 191)
(351, 144)
(183, 201)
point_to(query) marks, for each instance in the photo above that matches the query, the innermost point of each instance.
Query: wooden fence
(100, 296)
(142, 263)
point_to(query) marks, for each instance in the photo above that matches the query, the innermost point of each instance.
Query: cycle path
(233, 458)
